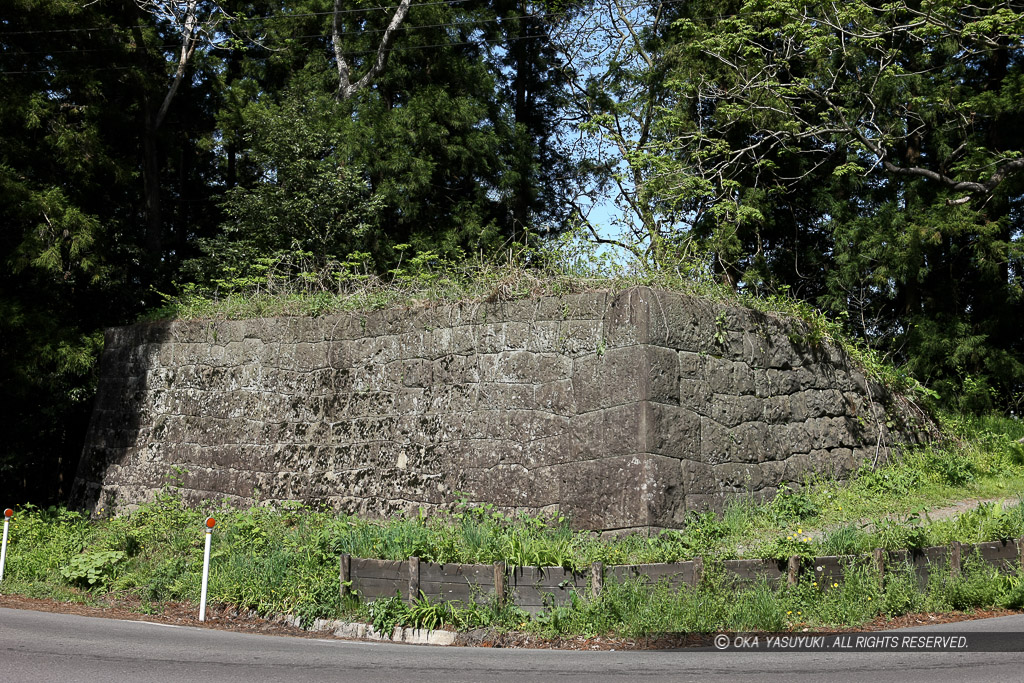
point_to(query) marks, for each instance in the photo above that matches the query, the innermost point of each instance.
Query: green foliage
(987, 522)
(856, 599)
(54, 536)
(854, 165)
(93, 568)
(902, 594)
(978, 584)
(846, 540)
(892, 480)
(387, 613)
(757, 609)
(795, 544)
(284, 560)
(633, 609)
(902, 533)
(793, 505)
(427, 615)
(948, 466)
(823, 150)
(299, 282)
(319, 201)
(114, 172)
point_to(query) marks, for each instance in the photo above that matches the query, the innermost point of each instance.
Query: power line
(408, 48)
(405, 28)
(285, 17)
(275, 17)
(65, 71)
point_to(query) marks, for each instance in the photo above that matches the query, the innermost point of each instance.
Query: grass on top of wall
(295, 283)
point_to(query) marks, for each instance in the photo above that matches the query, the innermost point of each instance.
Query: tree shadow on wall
(125, 431)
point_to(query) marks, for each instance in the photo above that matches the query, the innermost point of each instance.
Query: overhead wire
(406, 48)
(298, 15)
(354, 10)
(472, 23)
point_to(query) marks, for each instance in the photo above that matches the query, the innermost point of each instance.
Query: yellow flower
(799, 531)
(789, 612)
(814, 583)
(835, 585)
(869, 597)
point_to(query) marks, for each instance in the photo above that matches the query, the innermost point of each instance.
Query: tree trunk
(151, 184)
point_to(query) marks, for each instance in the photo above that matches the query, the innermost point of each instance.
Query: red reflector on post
(8, 513)
(210, 522)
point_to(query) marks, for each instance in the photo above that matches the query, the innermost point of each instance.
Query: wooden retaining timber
(675, 574)
(534, 588)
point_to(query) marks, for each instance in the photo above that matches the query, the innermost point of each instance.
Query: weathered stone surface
(624, 410)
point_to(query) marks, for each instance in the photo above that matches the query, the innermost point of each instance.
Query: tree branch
(345, 86)
(189, 39)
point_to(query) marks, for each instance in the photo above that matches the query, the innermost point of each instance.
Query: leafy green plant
(89, 569)
(721, 334)
(896, 534)
(758, 609)
(896, 479)
(428, 615)
(845, 540)
(795, 544)
(976, 585)
(164, 581)
(793, 505)
(284, 561)
(950, 467)
(387, 613)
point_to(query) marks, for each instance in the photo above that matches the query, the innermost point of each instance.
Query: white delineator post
(8, 513)
(210, 523)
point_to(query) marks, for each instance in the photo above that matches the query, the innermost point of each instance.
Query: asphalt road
(40, 646)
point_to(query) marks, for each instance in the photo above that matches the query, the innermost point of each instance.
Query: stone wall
(624, 410)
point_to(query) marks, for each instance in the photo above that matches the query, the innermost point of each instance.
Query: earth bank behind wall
(623, 410)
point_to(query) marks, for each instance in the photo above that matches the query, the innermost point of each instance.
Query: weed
(387, 613)
(285, 561)
(846, 540)
(428, 615)
(90, 569)
(793, 506)
(895, 534)
(795, 544)
(976, 585)
(891, 480)
(758, 609)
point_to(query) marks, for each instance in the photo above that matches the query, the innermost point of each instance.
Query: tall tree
(188, 25)
(443, 123)
(64, 203)
(77, 255)
(892, 131)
